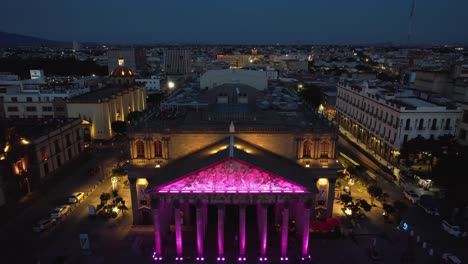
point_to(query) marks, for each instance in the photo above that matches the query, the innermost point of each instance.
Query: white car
(450, 258)
(76, 197)
(453, 229)
(44, 224)
(60, 211)
(411, 195)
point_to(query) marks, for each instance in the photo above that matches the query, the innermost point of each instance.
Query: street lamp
(171, 85)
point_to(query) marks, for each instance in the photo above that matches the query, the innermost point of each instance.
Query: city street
(23, 245)
(427, 227)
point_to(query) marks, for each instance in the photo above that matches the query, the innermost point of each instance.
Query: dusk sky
(240, 21)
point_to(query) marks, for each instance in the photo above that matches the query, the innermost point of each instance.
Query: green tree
(374, 191)
(400, 208)
(133, 116)
(390, 209)
(105, 197)
(365, 205)
(346, 198)
(119, 127)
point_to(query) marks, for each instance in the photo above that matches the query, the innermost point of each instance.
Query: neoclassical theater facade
(216, 182)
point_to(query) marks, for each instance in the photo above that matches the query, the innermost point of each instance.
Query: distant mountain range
(16, 40)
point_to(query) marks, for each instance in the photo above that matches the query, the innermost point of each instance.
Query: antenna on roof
(410, 22)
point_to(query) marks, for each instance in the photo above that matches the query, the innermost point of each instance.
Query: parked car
(453, 229)
(76, 197)
(411, 196)
(450, 258)
(60, 211)
(44, 224)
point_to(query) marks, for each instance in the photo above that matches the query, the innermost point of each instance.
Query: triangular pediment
(231, 176)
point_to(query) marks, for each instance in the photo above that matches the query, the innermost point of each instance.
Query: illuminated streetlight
(170, 85)
(24, 141)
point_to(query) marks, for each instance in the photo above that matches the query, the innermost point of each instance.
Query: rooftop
(33, 128)
(95, 96)
(193, 109)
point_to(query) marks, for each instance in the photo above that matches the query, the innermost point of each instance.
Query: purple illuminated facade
(231, 177)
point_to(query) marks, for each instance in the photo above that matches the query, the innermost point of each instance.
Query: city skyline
(340, 22)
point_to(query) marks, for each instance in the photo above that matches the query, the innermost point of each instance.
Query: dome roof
(121, 71)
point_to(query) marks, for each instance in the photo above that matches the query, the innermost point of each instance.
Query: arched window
(140, 148)
(157, 148)
(307, 148)
(324, 146)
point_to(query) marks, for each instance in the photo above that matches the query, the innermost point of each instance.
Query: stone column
(305, 228)
(221, 212)
(284, 229)
(135, 202)
(331, 195)
(300, 150)
(205, 217)
(155, 206)
(200, 220)
(242, 230)
(263, 210)
(178, 228)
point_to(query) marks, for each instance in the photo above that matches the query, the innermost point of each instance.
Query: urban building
(239, 61)
(232, 156)
(462, 138)
(34, 149)
(113, 102)
(177, 62)
(152, 85)
(36, 98)
(385, 118)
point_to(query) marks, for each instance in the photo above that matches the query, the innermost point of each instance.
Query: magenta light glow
(232, 177)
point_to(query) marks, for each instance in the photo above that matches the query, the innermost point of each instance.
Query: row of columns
(201, 210)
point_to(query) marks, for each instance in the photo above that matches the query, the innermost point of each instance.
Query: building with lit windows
(33, 150)
(240, 60)
(386, 118)
(228, 169)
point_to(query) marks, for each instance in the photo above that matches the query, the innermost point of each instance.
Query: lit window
(44, 154)
(157, 148)
(324, 147)
(140, 147)
(307, 148)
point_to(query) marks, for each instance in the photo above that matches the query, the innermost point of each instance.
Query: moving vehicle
(76, 197)
(453, 229)
(450, 258)
(60, 211)
(411, 195)
(44, 224)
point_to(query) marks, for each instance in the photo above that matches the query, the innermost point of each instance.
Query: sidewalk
(397, 180)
